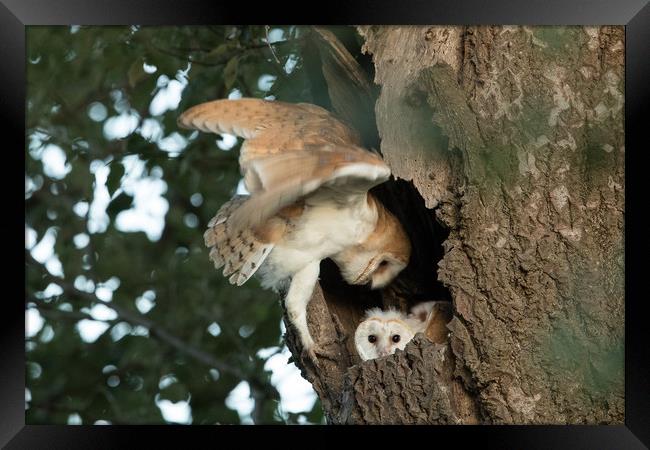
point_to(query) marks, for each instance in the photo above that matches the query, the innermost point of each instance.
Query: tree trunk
(508, 146)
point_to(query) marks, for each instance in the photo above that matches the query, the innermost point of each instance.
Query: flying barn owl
(383, 332)
(308, 179)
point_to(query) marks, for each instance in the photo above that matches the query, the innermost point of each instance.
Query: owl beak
(384, 352)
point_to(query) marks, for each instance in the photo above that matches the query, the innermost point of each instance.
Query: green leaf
(136, 73)
(119, 203)
(222, 51)
(230, 72)
(174, 393)
(114, 177)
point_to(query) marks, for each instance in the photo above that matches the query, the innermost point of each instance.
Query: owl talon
(311, 355)
(314, 351)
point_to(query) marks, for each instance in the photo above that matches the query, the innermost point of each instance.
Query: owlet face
(377, 337)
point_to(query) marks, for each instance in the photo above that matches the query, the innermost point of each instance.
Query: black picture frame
(15, 15)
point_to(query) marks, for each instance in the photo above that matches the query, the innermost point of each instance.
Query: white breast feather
(324, 229)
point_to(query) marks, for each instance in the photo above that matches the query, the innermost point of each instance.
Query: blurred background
(127, 321)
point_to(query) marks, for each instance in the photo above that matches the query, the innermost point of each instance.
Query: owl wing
(269, 127)
(337, 174)
(291, 151)
(240, 253)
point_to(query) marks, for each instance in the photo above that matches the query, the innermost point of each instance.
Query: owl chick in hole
(383, 332)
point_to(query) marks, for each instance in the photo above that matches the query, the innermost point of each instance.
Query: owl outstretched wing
(291, 151)
(269, 127)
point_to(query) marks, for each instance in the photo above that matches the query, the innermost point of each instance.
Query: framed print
(426, 215)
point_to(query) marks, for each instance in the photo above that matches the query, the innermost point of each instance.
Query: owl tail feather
(240, 253)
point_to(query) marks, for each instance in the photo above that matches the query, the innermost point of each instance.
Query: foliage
(105, 156)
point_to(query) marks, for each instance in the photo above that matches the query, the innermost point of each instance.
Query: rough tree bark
(510, 144)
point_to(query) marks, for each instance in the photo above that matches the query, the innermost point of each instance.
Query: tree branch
(49, 311)
(261, 390)
(137, 319)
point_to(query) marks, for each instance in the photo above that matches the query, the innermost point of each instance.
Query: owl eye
(372, 338)
(396, 338)
(384, 263)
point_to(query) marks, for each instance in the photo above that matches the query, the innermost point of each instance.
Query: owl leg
(296, 301)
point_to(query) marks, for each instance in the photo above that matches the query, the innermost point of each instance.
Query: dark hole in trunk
(417, 283)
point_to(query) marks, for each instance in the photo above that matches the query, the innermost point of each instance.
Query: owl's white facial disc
(378, 337)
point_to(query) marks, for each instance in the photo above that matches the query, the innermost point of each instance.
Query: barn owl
(383, 332)
(422, 312)
(308, 179)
